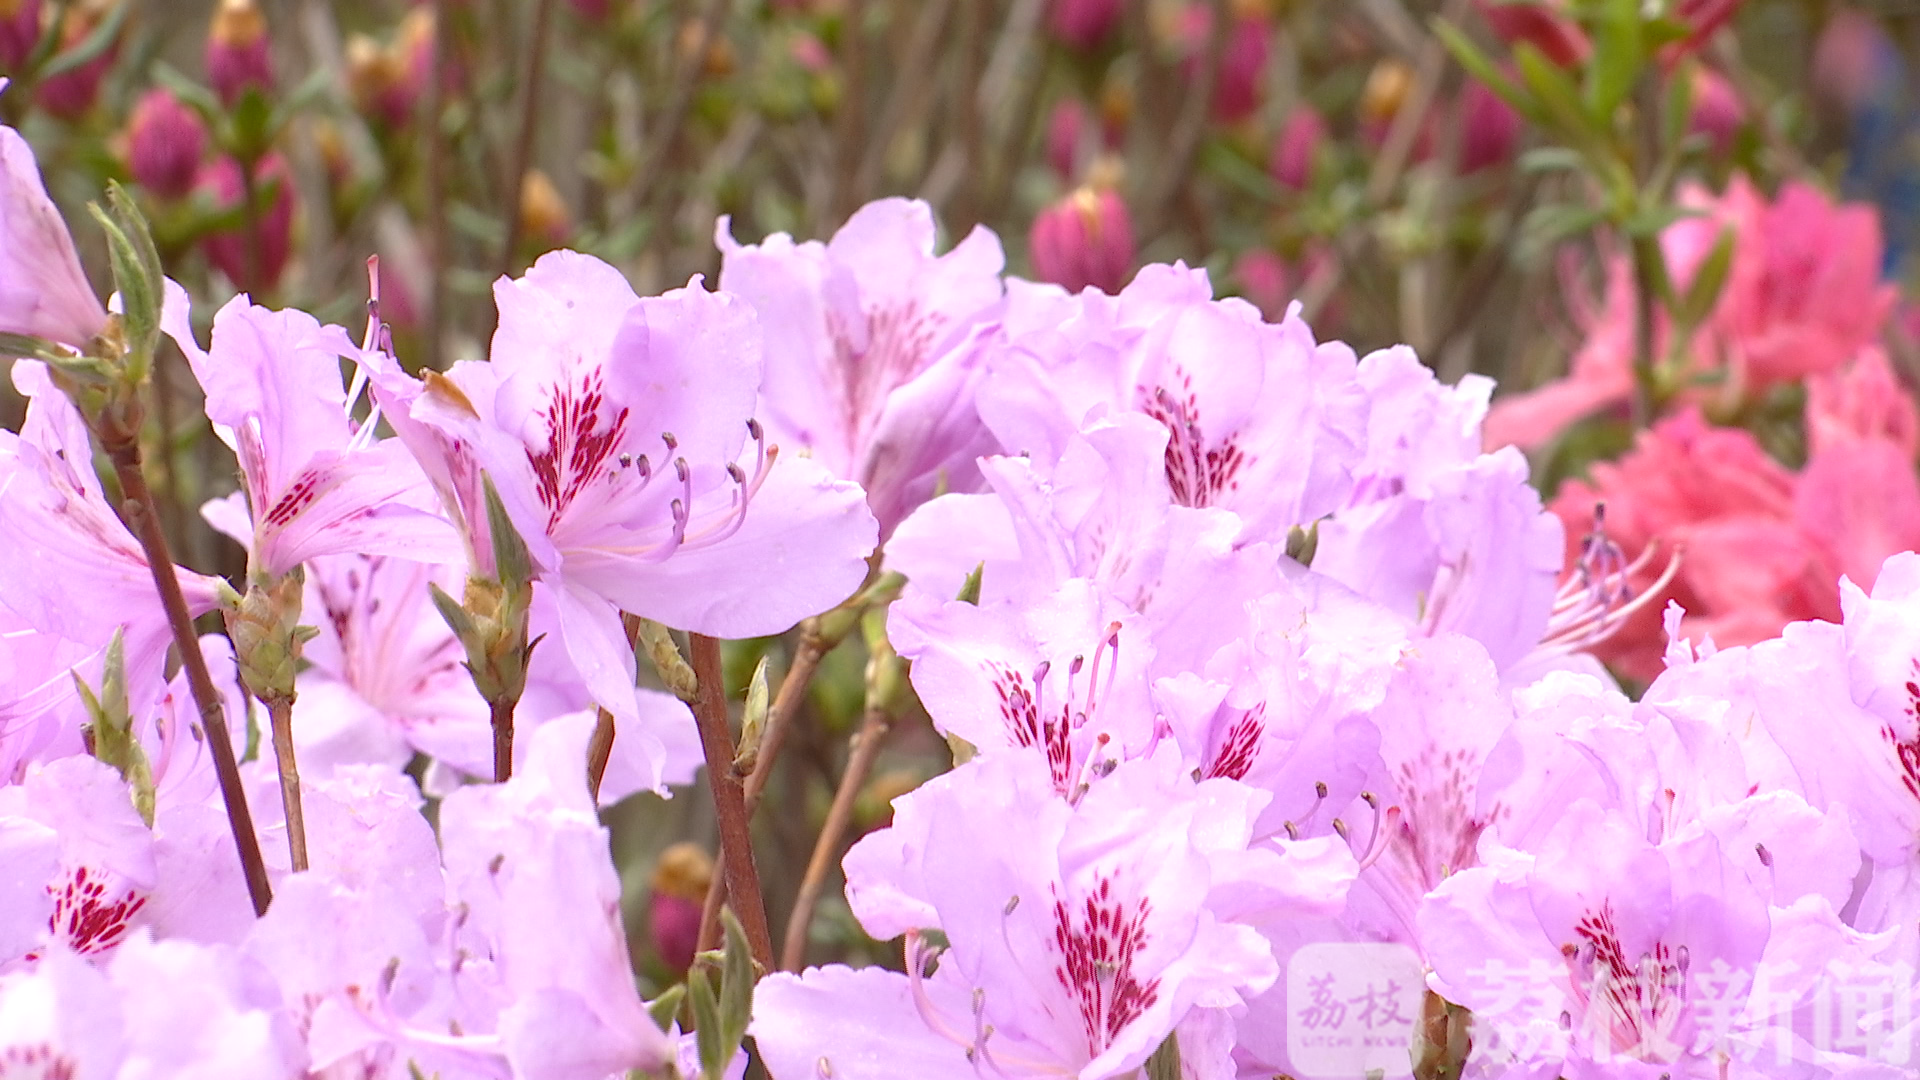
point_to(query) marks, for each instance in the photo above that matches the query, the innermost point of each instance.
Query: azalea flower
(872, 355)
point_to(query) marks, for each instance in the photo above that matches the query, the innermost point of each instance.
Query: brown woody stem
(729, 799)
(866, 749)
(143, 517)
(501, 713)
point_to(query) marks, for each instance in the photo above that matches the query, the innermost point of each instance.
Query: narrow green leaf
(664, 1008)
(970, 590)
(708, 1034)
(1708, 279)
(512, 564)
(1619, 54)
(736, 988)
(1558, 97)
(1480, 66)
(91, 47)
(457, 618)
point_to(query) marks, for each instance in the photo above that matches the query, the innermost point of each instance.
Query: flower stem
(729, 799)
(143, 516)
(501, 712)
(1646, 268)
(793, 690)
(280, 714)
(866, 749)
(600, 746)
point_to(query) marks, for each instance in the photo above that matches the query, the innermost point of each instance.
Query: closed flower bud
(71, 94)
(1541, 24)
(232, 251)
(1489, 128)
(238, 58)
(679, 888)
(386, 81)
(1082, 24)
(19, 33)
(1717, 111)
(1239, 79)
(1085, 239)
(165, 141)
(543, 214)
(1293, 152)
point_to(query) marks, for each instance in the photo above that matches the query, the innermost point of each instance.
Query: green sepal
(970, 588)
(753, 723)
(1164, 1064)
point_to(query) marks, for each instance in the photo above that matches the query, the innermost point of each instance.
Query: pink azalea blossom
(313, 484)
(43, 290)
(612, 427)
(871, 360)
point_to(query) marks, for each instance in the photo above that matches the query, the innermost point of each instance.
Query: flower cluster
(1279, 742)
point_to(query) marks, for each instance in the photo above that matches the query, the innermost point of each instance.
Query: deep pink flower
(71, 94)
(1239, 80)
(1717, 110)
(252, 262)
(43, 291)
(1489, 128)
(1540, 23)
(872, 356)
(1084, 241)
(238, 51)
(1295, 148)
(165, 141)
(19, 33)
(1082, 24)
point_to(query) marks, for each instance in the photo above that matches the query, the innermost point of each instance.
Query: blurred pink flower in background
(71, 94)
(1803, 297)
(1243, 59)
(1300, 139)
(1085, 239)
(238, 56)
(165, 141)
(1717, 110)
(232, 251)
(1540, 24)
(1264, 279)
(19, 32)
(1489, 128)
(1082, 24)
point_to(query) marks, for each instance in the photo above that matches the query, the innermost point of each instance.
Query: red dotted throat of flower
(577, 445)
(89, 915)
(1239, 746)
(1906, 751)
(38, 1061)
(899, 346)
(1033, 725)
(1198, 474)
(1098, 941)
(1637, 1000)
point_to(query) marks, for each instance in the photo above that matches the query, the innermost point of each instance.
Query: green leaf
(1480, 66)
(1676, 108)
(1165, 1062)
(451, 610)
(1559, 99)
(1703, 292)
(250, 132)
(25, 347)
(91, 47)
(970, 589)
(664, 1008)
(708, 1035)
(1653, 220)
(512, 563)
(1548, 225)
(195, 96)
(736, 991)
(1551, 159)
(1619, 54)
(143, 297)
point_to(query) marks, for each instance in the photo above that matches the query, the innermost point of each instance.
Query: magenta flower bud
(1085, 239)
(1064, 126)
(19, 32)
(592, 11)
(1717, 110)
(71, 94)
(43, 291)
(1543, 24)
(1293, 152)
(811, 54)
(254, 263)
(1243, 60)
(679, 889)
(1082, 24)
(237, 51)
(165, 141)
(1489, 128)
(1264, 280)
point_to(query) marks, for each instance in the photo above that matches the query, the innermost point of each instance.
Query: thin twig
(793, 690)
(1183, 142)
(123, 449)
(713, 15)
(280, 716)
(523, 144)
(600, 745)
(906, 106)
(729, 799)
(501, 715)
(866, 749)
(430, 124)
